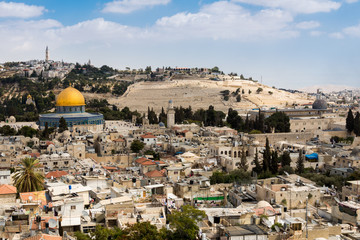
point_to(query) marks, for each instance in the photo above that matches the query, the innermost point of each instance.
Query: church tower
(170, 115)
(47, 54)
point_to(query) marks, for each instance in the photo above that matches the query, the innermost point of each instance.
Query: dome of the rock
(70, 97)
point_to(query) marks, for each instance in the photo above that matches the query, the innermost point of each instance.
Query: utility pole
(290, 202)
(306, 217)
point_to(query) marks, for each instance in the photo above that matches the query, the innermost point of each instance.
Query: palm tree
(28, 179)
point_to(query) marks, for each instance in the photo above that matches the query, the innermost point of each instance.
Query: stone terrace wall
(300, 138)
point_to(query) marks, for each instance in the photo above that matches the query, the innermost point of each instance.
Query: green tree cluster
(136, 146)
(271, 162)
(238, 176)
(279, 122)
(26, 131)
(153, 119)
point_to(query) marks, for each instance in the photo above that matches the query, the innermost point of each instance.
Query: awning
(312, 156)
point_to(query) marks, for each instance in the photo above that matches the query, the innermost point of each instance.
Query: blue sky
(286, 43)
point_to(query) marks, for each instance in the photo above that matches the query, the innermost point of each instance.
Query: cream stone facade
(292, 195)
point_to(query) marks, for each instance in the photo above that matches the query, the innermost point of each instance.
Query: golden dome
(70, 97)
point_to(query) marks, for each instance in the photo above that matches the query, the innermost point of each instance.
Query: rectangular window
(73, 207)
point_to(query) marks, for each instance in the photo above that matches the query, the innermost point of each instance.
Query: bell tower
(47, 54)
(170, 115)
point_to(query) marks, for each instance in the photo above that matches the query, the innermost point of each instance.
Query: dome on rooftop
(70, 97)
(263, 204)
(319, 104)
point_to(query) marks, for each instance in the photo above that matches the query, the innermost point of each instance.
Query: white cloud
(352, 31)
(20, 10)
(219, 20)
(227, 20)
(128, 6)
(336, 35)
(297, 6)
(316, 33)
(308, 25)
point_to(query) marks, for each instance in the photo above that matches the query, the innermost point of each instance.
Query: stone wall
(7, 198)
(277, 137)
(121, 160)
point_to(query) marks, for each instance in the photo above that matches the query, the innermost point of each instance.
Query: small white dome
(263, 204)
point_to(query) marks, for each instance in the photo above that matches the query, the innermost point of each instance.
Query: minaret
(170, 115)
(47, 54)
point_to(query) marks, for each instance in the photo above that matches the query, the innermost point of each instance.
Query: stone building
(292, 194)
(7, 193)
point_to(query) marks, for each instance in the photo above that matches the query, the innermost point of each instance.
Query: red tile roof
(154, 173)
(56, 174)
(44, 237)
(142, 159)
(148, 136)
(7, 189)
(146, 162)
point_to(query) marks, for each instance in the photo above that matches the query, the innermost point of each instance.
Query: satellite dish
(336, 199)
(30, 198)
(85, 213)
(286, 173)
(52, 223)
(277, 228)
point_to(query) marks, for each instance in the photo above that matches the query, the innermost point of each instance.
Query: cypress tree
(257, 167)
(350, 121)
(285, 159)
(300, 163)
(45, 133)
(261, 122)
(247, 124)
(62, 125)
(266, 156)
(274, 162)
(243, 161)
(357, 124)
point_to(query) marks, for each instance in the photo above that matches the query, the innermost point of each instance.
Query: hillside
(200, 93)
